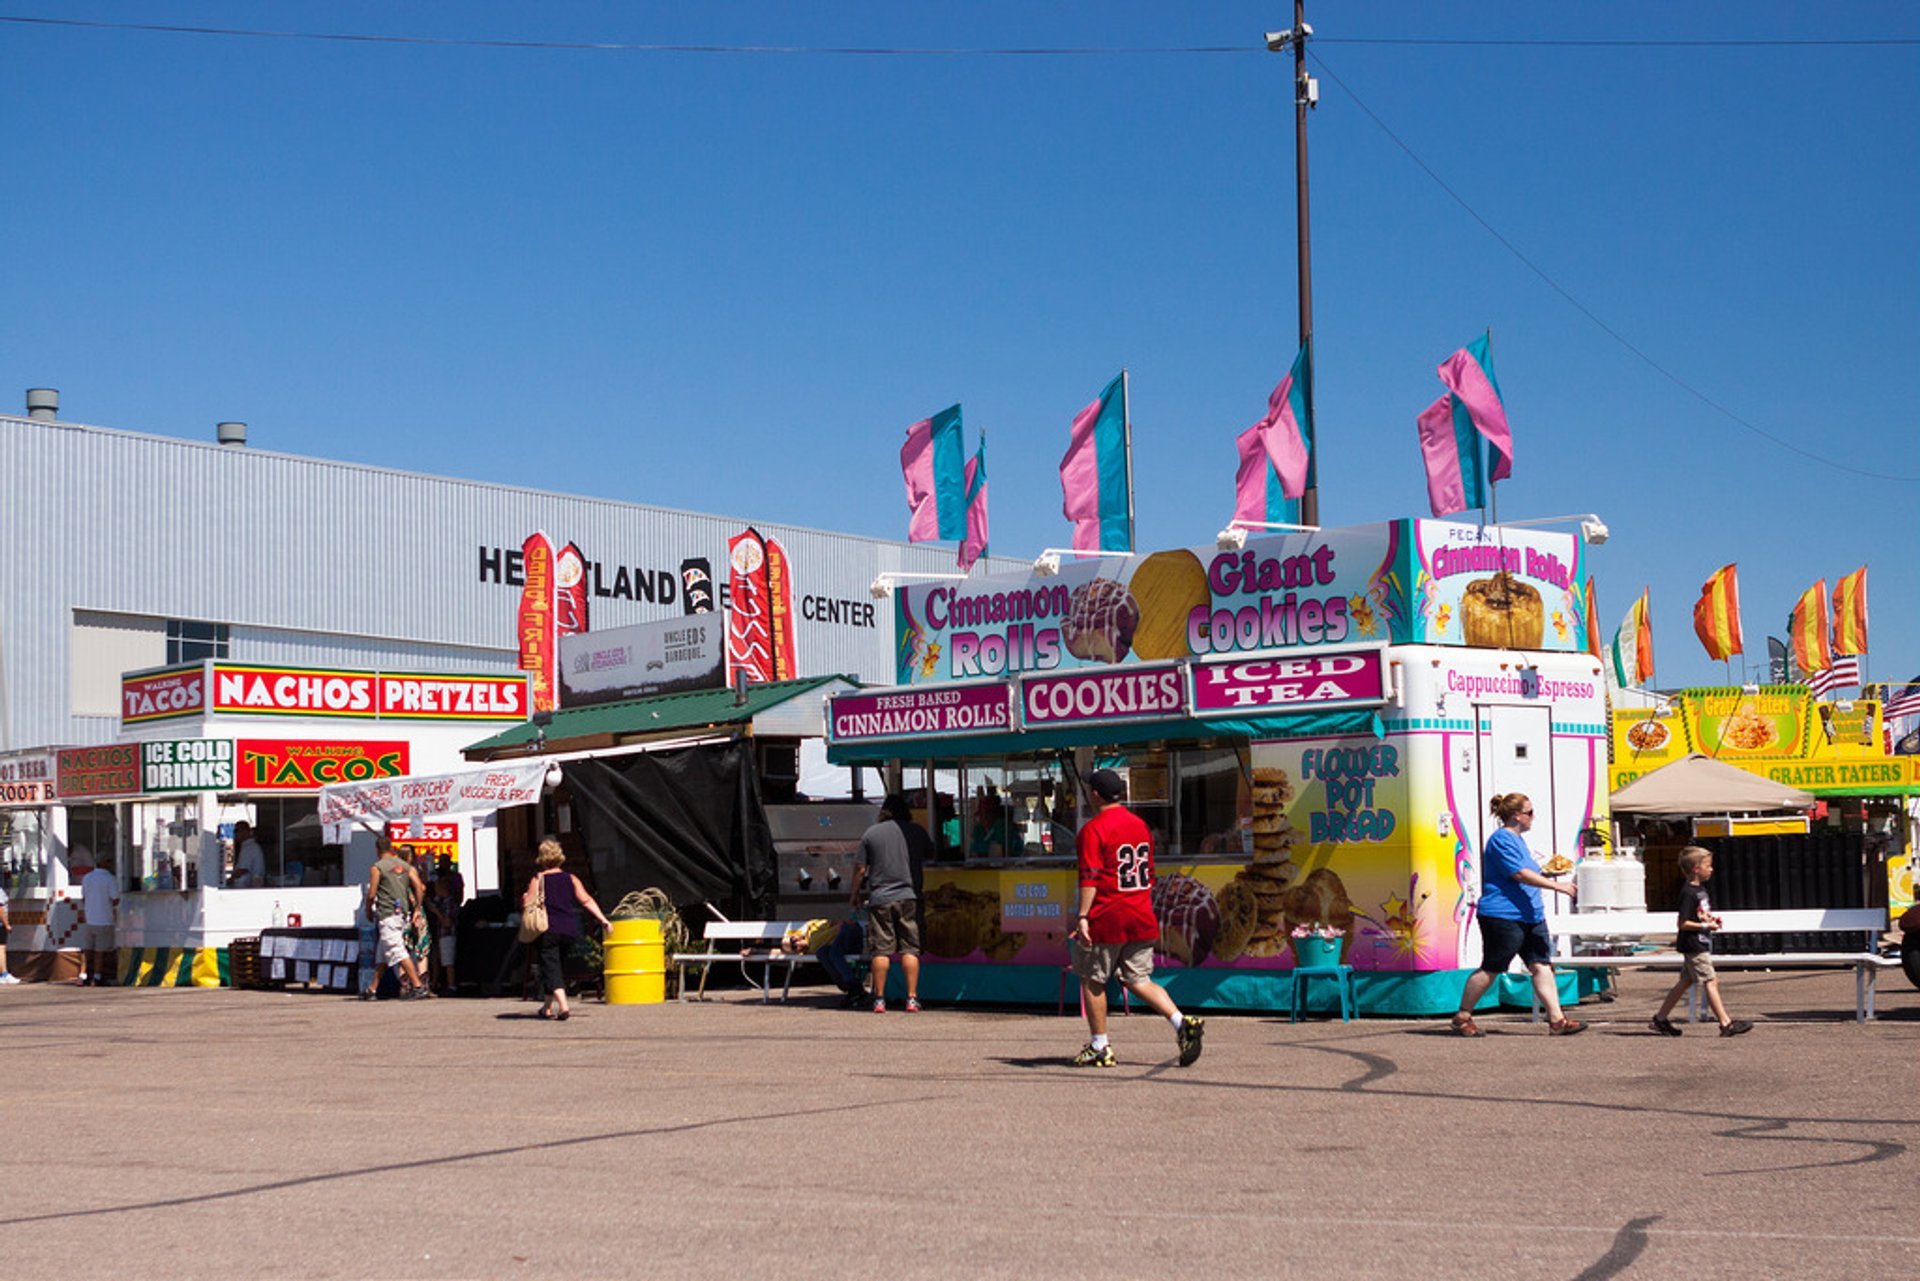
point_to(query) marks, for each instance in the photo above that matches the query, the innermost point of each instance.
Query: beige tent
(1698, 784)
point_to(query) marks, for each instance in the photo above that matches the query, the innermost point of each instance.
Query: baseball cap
(1107, 785)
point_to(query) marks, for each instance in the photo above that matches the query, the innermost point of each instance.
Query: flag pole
(1306, 92)
(1126, 433)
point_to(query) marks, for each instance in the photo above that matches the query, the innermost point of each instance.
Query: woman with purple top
(566, 898)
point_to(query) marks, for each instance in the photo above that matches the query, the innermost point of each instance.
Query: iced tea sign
(1293, 682)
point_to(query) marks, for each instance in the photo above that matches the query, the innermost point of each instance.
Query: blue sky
(729, 281)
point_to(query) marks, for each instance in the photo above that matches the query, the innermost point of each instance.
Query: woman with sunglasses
(1513, 919)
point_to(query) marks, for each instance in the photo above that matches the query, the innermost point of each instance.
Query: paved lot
(157, 1133)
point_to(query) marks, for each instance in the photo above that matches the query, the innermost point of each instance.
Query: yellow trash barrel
(636, 963)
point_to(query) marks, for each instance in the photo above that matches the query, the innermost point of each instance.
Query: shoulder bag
(533, 915)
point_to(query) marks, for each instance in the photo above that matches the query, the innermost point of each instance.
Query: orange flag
(1716, 616)
(1850, 613)
(1807, 630)
(1593, 621)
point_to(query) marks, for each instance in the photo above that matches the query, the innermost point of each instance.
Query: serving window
(289, 834)
(25, 850)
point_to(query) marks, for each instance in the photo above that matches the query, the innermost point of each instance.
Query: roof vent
(43, 404)
(234, 434)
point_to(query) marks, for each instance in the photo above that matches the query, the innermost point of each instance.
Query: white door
(1516, 755)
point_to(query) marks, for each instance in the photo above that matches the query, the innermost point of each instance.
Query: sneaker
(1090, 1057)
(879, 1005)
(7, 979)
(913, 1005)
(1191, 1030)
(1664, 1026)
(1736, 1027)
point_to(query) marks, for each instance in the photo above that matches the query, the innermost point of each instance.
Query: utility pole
(1306, 94)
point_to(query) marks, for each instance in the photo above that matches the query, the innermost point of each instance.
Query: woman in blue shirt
(1513, 919)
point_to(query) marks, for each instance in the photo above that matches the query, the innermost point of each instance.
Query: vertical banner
(749, 629)
(570, 592)
(539, 638)
(786, 662)
(696, 584)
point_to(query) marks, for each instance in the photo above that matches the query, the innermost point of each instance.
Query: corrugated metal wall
(313, 562)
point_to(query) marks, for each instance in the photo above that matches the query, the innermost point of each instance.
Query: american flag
(1844, 671)
(1906, 702)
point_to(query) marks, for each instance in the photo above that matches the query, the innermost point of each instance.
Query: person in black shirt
(1696, 926)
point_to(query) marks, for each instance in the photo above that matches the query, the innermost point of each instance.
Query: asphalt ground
(214, 1133)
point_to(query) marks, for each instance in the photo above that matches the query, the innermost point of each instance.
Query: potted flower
(1317, 944)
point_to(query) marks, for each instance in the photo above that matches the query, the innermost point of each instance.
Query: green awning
(1335, 724)
(639, 719)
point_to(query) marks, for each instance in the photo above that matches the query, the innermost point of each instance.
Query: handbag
(533, 915)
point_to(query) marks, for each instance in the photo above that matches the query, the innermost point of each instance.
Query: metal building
(126, 551)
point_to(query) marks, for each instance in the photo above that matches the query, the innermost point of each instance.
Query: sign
(1780, 732)
(247, 690)
(912, 713)
(112, 770)
(435, 841)
(1403, 582)
(539, 639)
(666, 656)
(287, 765)
(27, 780)
(750, 639)
(426, 795)
(146, 697)
(1115, 696)
(1291, 683)
(1038, 902)
(1716, 827)
(187, 765)
(1732, 723)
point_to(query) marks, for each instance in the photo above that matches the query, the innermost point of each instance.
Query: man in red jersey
(1117, 930)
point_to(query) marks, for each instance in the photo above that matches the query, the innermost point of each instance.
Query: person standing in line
(443, 905)
(1116, 930)
(394, 895)
(249, 862)
(1696, 925)
(6, 975)
(1513, 919)
(99, 901)
(565, 899)
(889, 866)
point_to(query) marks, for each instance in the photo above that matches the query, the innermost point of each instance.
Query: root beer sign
(289, 765)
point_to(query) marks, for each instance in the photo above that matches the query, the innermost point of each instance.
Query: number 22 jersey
(1116, 858)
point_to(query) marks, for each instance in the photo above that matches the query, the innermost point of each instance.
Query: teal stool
(1342, 976)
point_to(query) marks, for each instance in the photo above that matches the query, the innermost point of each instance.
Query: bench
(739, 938)
(1866, 964)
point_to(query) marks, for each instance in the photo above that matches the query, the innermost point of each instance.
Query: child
(1697, 924)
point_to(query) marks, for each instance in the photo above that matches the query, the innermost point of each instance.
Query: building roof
(637, 720)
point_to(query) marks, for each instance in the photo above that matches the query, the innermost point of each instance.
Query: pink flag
(1468, 374)
(916, 465)
(1440, 451)
(1274, 439)
(931, 464)
(974, 545)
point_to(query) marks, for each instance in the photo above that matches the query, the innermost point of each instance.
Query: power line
(1586, 311)
(1069, 51)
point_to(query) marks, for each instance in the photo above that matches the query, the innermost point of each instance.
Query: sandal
(1566, 1027)
(1463, 1025)
(546, 1013)
(564, 1015)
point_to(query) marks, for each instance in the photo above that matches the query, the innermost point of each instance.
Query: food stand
(205, 747)
(1312, 724)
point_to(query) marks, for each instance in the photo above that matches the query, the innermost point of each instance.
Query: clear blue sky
(729, 281)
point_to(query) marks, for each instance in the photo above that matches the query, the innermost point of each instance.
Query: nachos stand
(1312, 724)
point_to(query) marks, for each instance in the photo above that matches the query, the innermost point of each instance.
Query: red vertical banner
(570, 591)
(749, 625)
(786, 665)
(539, 640)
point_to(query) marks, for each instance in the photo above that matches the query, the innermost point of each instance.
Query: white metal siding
(318, 562)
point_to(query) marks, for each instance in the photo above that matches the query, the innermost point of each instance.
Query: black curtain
(688, 821)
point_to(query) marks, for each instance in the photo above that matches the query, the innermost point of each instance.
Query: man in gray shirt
(892, 853)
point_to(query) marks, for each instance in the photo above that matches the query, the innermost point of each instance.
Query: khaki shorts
(1131, 963)
(893, 927)
(1699, 968)
(96, 938)
(393, 941)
